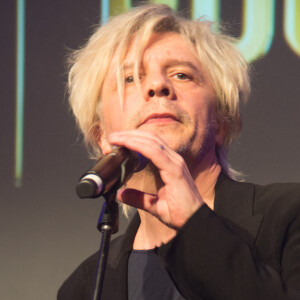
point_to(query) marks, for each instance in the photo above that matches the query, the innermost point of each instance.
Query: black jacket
(247, 248)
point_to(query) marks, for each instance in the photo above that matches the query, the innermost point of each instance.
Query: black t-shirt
(148, 279)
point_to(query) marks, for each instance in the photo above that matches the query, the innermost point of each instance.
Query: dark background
(46, 231)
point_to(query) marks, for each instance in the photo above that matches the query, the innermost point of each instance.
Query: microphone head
(85, 189)
(110, 172)
(89, 186)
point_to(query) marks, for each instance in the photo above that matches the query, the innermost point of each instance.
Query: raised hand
(178, 198)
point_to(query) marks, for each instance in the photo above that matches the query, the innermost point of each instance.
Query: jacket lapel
(234, 203)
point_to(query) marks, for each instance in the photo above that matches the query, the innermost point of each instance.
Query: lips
(159, 118)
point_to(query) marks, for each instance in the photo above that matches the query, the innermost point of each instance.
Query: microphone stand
(124, 162)
(108, 224)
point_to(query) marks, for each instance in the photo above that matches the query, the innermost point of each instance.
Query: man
(169, 88)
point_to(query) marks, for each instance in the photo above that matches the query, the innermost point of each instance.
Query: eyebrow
(128, 66)
(177, 62)
(170, 63)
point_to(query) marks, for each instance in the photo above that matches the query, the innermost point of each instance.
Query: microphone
(111, 171)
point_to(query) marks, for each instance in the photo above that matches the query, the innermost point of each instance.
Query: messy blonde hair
(223, 63)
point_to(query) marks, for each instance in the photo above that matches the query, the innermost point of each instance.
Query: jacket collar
(234, 202)
(123, 244)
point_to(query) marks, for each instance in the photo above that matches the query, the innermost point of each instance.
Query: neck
(206, 181)
(152, 232)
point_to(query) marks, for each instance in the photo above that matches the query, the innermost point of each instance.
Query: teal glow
(209, 9)
(117, 7)
(20, 82)
(289, 9)
(292, 24)
(172, 3)
(258, 28)
(104, 11)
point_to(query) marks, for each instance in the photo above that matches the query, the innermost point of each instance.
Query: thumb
(137, 198)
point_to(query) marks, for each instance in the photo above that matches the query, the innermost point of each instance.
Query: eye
(129, 79)
(182, 76)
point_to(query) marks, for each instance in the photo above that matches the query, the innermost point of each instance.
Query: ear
(103, 141)
(104, 145)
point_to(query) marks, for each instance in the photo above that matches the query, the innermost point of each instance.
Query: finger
(157, 154)
(140, 144)
(137, 199)
(141, 135)
(148, 145)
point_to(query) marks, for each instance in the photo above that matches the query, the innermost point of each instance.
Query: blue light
(104, 11)
(20, 88)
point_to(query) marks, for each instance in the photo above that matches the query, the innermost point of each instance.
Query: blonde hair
(225, 66)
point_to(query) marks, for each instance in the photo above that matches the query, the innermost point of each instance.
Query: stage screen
(46, 229)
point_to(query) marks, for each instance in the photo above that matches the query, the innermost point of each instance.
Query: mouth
(161, 118)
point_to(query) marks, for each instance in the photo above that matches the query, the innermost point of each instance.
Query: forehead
(160, 46)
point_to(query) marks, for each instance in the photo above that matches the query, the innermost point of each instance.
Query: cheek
(112, 116)
(203, 109)
(201, 104)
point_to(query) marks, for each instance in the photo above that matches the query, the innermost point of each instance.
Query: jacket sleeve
(209, 260)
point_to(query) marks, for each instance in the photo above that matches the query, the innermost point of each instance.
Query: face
(175, 98)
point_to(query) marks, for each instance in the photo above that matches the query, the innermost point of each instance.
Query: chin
(175, 141)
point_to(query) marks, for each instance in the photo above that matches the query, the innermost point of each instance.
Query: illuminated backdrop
(258, 25)
(46, 230)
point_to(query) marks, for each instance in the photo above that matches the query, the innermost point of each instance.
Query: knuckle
(179, 170)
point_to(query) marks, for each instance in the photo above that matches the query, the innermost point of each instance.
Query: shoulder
(281, 197)
(258, 198)
(279, 204)
(79, 285)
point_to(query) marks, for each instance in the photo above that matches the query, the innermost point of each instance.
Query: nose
(162, 92)
(158, 86)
